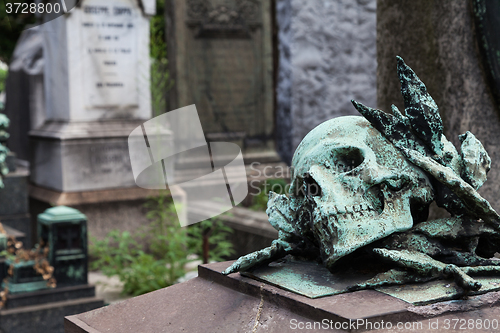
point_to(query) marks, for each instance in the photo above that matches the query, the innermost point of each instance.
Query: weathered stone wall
(327, 56)
(436, 38)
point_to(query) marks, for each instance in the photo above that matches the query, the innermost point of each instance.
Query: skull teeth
(358, 211)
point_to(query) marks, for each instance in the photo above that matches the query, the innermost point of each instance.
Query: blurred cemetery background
(262, 74)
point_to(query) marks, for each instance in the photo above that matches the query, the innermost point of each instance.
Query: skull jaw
(340, 236)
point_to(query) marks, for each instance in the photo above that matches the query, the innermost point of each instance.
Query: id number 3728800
(33, 8)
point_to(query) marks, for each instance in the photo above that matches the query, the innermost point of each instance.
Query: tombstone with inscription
(97, 90)
(220, 57)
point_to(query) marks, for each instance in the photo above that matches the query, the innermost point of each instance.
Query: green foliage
(145, 274)
(168, 241)
(3, 78)
(11, 26)
(259, 201)
(216, 234)
(107, 254)
(161, 264)
(160, 77)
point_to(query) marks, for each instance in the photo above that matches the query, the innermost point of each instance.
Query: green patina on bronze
(24, 278)
(362, 187)
(307, 278)
(64, 229)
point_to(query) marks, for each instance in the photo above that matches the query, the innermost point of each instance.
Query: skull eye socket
(346, 159)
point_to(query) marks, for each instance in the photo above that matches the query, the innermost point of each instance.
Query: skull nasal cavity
(347, 158)
(312, 187)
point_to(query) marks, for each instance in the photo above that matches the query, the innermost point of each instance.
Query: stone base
(57, 198)
(83, 156)
(105, 209)
(46, 317)
(49, 296)
(43, 311)
(213, 302)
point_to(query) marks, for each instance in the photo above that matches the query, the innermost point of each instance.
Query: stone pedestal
(82, 156)
(213, 302)
(43, 311)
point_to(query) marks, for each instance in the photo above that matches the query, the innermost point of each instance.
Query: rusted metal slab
(314, 280)
(437, 291)
(307, 278)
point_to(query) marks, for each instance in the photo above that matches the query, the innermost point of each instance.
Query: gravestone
(327, 56)
(220, 57)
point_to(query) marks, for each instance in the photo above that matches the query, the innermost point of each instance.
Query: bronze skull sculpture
(366, 183)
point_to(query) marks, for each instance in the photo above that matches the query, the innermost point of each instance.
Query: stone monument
(355, 219)
(351, 199)
(363, 186)
(97, 90)
(220, 57)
